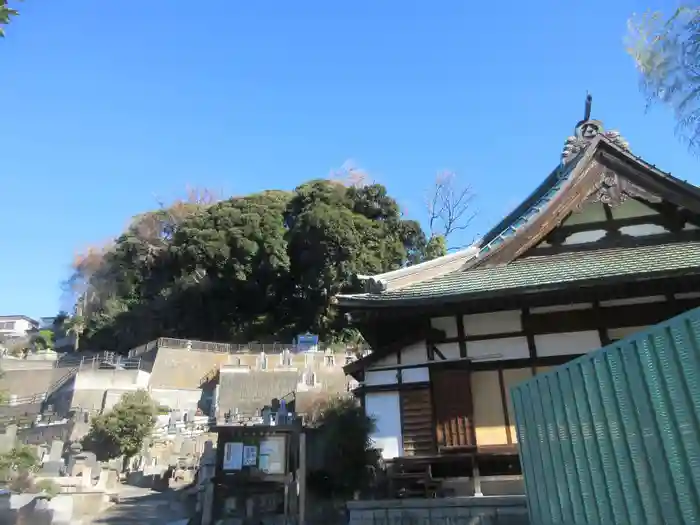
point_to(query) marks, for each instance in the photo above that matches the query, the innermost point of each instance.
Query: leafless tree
(350, 175)
(449, 205)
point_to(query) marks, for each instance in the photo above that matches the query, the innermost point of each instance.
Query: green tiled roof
(552, 270)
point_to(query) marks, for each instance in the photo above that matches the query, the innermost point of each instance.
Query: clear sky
(108, 107)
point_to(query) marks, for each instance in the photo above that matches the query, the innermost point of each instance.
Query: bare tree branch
(351, 176)
(449, 206)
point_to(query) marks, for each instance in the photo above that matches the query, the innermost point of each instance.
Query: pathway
(143, 507)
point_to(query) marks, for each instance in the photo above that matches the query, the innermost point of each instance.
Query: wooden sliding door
(453, 408)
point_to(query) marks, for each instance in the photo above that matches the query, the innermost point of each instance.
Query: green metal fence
(613, 437)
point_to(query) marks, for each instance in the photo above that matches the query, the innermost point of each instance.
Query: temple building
(605, 246)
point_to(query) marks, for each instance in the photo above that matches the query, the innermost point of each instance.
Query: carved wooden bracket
(613, 190)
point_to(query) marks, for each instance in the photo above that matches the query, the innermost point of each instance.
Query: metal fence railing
(73, 364)
(233, 348)
(110, 361)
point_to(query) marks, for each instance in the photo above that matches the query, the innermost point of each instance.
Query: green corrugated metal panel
(613, 437)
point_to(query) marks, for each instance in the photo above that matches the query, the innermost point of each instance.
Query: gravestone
(8, 439)
(56, 452)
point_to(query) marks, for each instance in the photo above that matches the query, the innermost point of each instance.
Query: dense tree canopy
(261, 267)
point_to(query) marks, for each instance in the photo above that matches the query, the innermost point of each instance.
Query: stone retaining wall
(485, 510)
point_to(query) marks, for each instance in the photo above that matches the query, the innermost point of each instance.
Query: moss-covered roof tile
(543, 271)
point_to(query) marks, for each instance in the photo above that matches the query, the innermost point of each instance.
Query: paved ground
(143, 507)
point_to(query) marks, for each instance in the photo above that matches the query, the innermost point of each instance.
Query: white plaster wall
(386, 361)
(493, 323)
(385, 409)
(380, 377)
(632, 208)
(592, 212)
(621, 333)
(449, 350)
(447, 324)
(642, 230)
(415, 375)
(560, 308)
(567, 343)
(498, 349)
(634, 300)
(414, 354)
(687, 295)
(585, 237)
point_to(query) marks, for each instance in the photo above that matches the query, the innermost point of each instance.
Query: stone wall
(27, 382)
(486, 510)
(183, 369)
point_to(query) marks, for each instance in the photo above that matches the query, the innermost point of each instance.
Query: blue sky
(109, 107)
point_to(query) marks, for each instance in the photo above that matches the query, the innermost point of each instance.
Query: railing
(31, 399)
(107, 360)
(40, 397)
(61, 381)
(110, 360)
(232, 348)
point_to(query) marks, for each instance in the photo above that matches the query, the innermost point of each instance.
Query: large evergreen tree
(258, 267)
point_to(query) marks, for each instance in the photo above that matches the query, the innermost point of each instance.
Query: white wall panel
(493, 323)
(446, 324)
(386, 361)
(567, 343)
(620, 333)
(634, 300)
(498, 349)
(414, 354)
(415, 375)
(380, 377)
(449, 350)
(560, 308)
(642, 230)
(585, 237)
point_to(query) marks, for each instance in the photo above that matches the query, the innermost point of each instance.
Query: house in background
(605, 246)
(15, 326)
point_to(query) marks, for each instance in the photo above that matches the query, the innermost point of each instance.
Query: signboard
(233, 456)
(250, 456)
(306, 342)
(272, 455)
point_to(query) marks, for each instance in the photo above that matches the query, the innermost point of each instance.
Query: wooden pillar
(477, 477)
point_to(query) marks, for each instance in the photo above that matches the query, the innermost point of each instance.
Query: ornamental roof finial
(586, 130)
(587, 111)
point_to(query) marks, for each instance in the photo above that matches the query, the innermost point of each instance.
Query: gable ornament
(613, 190)
(586, 130)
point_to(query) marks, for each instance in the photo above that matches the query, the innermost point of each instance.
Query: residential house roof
(18, 318)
